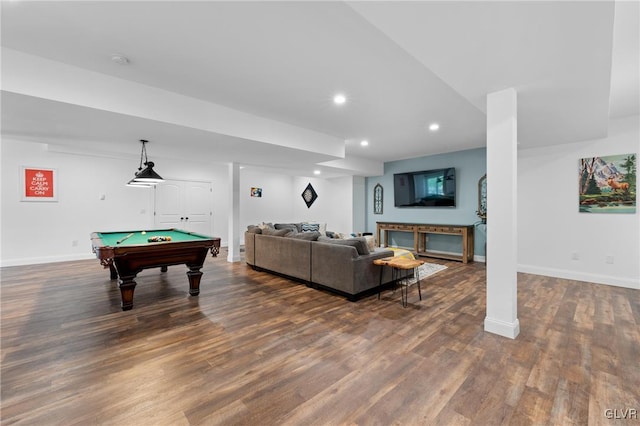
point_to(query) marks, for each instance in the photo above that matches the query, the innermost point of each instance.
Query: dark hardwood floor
(257, 349)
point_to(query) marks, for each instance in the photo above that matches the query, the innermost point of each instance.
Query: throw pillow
(266, 225)
(322, 227)
(254, 229)
(290, 226)
(310, 227)
(364, 247)
(371, 242)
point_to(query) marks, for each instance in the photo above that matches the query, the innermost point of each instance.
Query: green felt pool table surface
(112, 238)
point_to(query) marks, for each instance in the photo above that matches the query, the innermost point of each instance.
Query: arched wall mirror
(377, 199)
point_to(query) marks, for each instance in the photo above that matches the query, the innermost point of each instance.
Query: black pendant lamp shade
(145, 177)
(148, 175)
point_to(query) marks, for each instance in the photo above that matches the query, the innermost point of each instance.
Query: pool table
(127, 253)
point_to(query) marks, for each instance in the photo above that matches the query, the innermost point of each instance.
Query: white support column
(359, 213)
(502, 161)
(234, 213)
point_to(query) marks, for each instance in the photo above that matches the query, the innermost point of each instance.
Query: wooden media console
(420, 232)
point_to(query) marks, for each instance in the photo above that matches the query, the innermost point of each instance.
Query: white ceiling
(402, 65)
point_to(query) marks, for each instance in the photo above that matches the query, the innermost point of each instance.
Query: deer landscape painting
(607, 184)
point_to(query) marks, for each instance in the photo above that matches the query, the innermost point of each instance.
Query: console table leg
(380, 281)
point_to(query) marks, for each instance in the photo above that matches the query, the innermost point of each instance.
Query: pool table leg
(127, 286)
(194, 275)
(113, 272)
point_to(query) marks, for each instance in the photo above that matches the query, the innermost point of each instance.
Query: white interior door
(198, 207)
(184, 205)
(168, 205)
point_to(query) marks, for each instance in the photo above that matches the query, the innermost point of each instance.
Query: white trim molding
(502, 328)
(633, 283)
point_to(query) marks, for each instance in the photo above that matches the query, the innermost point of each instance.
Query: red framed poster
(38, 184)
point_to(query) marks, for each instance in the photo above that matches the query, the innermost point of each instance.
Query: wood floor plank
(255, 348)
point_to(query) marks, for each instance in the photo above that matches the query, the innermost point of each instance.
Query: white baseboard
(48, 259)
(581, 276)
(502, 328)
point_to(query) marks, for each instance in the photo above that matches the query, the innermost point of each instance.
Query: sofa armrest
(249, 248)
(367, 275)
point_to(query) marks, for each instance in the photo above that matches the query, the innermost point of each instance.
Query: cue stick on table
(124, 238)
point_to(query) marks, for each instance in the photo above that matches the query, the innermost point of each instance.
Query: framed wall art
(482, 199)
(607, 184)
(38, 184)
(377, 199)
(309, 195)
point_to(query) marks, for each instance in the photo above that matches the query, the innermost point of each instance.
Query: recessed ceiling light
(120, 59)
(364, 142)
(316, 172)
(339, 99)
(434, 127)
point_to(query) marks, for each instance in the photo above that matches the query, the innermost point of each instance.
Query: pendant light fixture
(146, 177)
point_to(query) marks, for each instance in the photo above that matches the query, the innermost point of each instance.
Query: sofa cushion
(307, 236)
(359, 243)
(276, 232)
(292, 226)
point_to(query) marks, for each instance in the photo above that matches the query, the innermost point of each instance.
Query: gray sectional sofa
(341, 266)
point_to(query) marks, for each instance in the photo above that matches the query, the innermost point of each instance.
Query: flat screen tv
(428, 188)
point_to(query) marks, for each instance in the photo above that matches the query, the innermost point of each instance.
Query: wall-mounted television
(427, 188)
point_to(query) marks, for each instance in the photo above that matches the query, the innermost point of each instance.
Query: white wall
(282, 202)
(359, 197)
(36, 232)
(550, 228)
(40, 232)
(276, 203)
(62, 229)
(334, 205)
